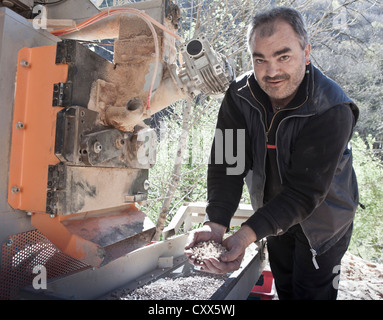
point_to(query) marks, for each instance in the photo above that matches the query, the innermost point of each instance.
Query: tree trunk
(174, 181)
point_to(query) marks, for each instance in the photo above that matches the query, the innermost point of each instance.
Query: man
(298, 166)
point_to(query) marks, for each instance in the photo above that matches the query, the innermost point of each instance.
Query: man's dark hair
(265, 21)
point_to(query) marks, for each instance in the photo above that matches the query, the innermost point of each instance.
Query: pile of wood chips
(193, 287)
(196, 286)
(208, 249)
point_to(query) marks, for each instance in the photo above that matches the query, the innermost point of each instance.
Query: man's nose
(272, 69)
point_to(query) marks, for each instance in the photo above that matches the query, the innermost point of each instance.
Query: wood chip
(208, 249)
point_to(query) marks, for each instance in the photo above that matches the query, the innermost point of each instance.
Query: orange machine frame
(34, 120)
(33, 151)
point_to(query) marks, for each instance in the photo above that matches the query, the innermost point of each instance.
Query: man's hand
(235, 244)
(210, 231)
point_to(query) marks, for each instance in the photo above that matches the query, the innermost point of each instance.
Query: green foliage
(367, 239)
(192, 181)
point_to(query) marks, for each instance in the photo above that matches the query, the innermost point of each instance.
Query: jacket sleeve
(229, 162)
(313, 164)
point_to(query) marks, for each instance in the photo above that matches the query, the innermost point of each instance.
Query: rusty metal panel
(97, 237)
(75, 189)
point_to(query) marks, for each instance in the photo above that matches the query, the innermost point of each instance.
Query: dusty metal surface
(99, 237)
(81, 141)
(79, 189)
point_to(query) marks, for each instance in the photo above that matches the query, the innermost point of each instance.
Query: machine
(75, 145)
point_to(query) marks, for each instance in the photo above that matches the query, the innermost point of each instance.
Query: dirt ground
(360, 279)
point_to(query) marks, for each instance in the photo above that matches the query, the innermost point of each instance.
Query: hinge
(65, 52)
(62, 94)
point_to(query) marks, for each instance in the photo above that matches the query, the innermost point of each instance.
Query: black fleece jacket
(289, 197)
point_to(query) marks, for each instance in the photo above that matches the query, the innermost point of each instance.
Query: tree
(367, 239)
(175, 177)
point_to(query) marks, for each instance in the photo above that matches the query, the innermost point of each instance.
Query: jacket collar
(251, 90)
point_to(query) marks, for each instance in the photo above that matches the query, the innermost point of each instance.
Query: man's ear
(307, 53)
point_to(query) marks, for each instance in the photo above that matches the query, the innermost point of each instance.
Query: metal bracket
(66, 51)
(62, 94)
(56, 182)
(74, 189)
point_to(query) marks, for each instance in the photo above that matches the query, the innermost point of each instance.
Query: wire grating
(22, 253)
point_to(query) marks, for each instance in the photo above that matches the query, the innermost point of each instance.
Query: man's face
(279, 62)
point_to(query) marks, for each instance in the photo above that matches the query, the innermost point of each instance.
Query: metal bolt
(15, 189)
(9, 242)
(97, 147)
(24, 63)
(119, 143)
(19, 125)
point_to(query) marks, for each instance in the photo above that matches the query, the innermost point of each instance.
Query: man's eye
(284, 58)
(258, 61)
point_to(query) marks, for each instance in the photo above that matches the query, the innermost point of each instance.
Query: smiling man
(279, 63)
(298, 166)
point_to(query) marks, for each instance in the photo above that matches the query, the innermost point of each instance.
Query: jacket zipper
(313, 252)
(275, 114)
(264, 128)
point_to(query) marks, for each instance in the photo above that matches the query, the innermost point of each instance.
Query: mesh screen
(22, 252)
